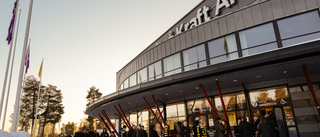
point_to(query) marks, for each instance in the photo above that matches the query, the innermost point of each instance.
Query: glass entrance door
(281, 130)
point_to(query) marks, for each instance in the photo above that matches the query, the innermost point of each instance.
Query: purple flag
(9, 37)
(27, 58)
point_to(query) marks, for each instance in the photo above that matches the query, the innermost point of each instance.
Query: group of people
(91, 133)
(265, 126)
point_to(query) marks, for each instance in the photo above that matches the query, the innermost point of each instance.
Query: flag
(140, 79)
(27, 58)
(154, 72)
(40, 69)
(226, 46)
(10, 30)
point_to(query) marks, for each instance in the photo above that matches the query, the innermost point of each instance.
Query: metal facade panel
(188, 39)
(257, 15)
(172, 45)
(163, 50)
(288, 7)
(304, 111)
(154, 53)
(183, 41)
(215, 29)
(159, 51)
(194, 36)
(308, 127)
(177, 43)
(318, 1)
(222, 26)
(151, 55)
(299, 5)
(247, 17)
(277, 9)
(239, 20)
(267, 14)
(207, 31)
(168, 48)
(201, 34)
(230, 23)
(311, 4)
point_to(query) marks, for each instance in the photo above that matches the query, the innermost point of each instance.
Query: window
(172, 65)
(142, 75)
(194, 58)
(236, 108)
(258, 39)
(121, 86)
(126, 84)
(143, 119)
(223, 49)
(154, 122)
(175, 113)
(133, 118)
(155, 71)
(133, 80)
(300, 28)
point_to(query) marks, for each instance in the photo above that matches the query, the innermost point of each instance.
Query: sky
(84, 43)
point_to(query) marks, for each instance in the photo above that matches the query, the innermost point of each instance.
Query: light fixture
(180, 91)
(258, 76)
(167, 94)
(129, 103)
(196, 87)
(235, 80)
(284, 72)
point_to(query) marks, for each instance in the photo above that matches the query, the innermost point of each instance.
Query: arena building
(263, 55)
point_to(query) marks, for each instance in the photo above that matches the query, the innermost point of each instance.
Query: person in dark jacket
(91, 133)
(152, 131)
(264, 130)
(96, 133)
(245, 128)
(219, 128)
(123, 132)
(132, 130)
(181, 132)
(79, 133)
(186, 129)
(143, 132)
(166, 129)
(272, 122)
(104, 133)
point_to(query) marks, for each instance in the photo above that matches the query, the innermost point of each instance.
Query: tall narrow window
(155, 71)
(133, 80)
(142, 76)
(194, 58)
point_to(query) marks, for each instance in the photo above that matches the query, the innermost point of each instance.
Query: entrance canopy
(276, 67)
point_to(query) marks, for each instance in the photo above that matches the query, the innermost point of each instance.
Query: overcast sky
(84, 42)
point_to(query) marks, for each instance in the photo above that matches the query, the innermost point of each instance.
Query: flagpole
(35, 120)
(8, 90)
(16, 106)
(8, 63)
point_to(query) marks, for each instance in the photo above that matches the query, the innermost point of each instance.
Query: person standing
(96, 133)
(220, 130)
(264, 130)
(166, 129)
(91, 133)
(181, 132)
(138, 131)
(198, 128)
(152, 131)
(79, 133)
(245, 128)
(143, 132)
(104, 133)
(186, 129)
(132, 130)
(123, 131)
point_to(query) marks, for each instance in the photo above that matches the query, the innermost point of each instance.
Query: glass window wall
(133, 118)
(142, 75)
(194, 58)
(300, 28)
(223, 49)
(258, 39)
(175, 113)
(155, 71)
(133, 80)
(172, 65)
(236, 107)
(153, 122)
(143, 117)
(126, 84)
